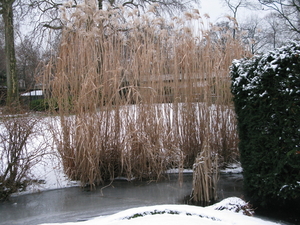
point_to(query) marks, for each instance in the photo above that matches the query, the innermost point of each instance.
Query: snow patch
(232, 168)
(234, 204)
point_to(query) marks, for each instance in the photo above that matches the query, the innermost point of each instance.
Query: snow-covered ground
(223, 213)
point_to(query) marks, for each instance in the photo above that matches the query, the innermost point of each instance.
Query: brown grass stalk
(135, 100)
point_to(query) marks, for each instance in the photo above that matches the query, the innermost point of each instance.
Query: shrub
(16, 157)
(39, 105)
(266, 93)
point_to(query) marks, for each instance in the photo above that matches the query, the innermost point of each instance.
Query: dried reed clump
(205, 175)
(135, 95)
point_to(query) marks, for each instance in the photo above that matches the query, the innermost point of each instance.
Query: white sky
(213, 8)
(217, 10)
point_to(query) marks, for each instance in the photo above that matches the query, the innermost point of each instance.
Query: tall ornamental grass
(137, 95)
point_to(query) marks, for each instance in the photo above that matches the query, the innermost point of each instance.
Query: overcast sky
(217, 10)
(213, 8)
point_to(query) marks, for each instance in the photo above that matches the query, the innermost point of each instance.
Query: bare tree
(221, 32)
(2, 58)
(6, 9)
(167, 5)
(50, 8)
(253, 34)
(266, 33)
(234, 6)
(276, 32)
(289, 10)
(28, 57)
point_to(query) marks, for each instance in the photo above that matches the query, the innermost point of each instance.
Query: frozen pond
(76, 204)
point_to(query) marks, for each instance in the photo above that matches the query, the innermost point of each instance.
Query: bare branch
(53, 27)
(289, 10)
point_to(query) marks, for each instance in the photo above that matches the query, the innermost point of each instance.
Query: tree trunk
(11, 74)
(100, 4)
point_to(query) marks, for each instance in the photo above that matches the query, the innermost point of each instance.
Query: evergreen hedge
(39, 105)
(266, 92)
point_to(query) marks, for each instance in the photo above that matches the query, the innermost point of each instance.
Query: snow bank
(174, 214)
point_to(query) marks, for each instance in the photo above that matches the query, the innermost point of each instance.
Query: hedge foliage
(266, 92)
(39, 105)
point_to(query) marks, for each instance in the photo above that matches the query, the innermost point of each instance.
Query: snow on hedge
(266, 91)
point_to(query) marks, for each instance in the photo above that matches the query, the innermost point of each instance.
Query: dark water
(76, 204)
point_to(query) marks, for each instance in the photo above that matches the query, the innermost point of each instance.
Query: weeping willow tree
(135, 94)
